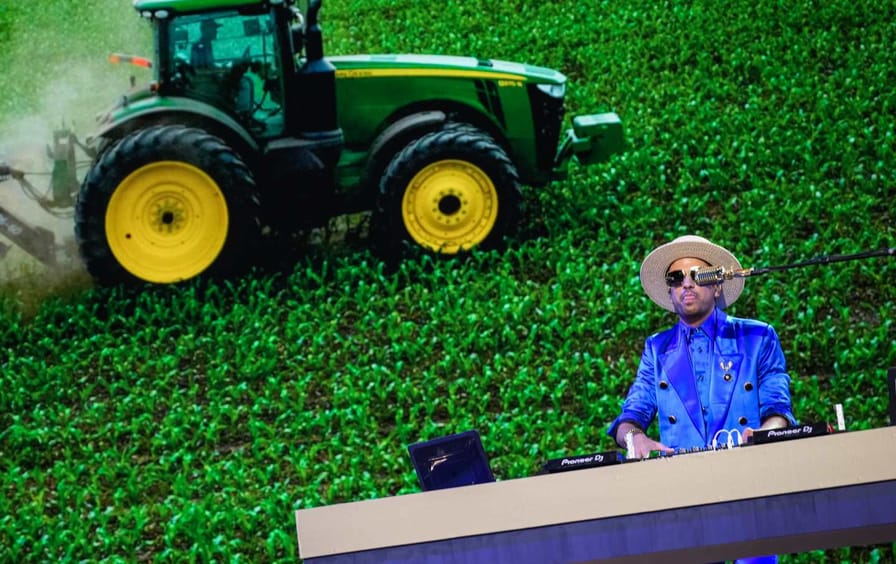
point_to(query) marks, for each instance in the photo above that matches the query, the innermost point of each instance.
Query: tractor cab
(230, 60)
(261, 63)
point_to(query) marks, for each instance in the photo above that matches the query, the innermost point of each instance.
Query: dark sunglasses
(675, 278)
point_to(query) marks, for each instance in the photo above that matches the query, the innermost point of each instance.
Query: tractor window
(230, 60)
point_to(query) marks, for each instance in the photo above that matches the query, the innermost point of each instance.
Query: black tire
(166, 204)
(449, 192)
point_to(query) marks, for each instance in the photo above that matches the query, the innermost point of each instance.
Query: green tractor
(248, 132)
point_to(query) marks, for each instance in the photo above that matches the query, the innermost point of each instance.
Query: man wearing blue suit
(710, 378)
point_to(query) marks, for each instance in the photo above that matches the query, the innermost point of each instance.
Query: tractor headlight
(553, 90)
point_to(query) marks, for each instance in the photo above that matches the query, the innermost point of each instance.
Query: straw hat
(654, 267)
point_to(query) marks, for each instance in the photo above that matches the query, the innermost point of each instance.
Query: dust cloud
(55, 85)
(26, 146)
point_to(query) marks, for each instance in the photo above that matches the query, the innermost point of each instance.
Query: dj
(711, 376)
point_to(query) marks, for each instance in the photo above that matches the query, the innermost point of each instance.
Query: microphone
(709, 275)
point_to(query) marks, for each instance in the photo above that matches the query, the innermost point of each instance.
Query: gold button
(742, 420)
(748, 386)
(672, 419)
(663, 384)
(727, 377)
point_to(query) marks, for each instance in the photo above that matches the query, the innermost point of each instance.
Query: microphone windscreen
(709, 275)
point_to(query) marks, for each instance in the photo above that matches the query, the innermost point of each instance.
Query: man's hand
(644, 445)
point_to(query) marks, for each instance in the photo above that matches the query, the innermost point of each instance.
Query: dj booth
(789, 496)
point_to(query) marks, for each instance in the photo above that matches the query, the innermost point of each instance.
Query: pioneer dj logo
(582, 460)
(779, 433)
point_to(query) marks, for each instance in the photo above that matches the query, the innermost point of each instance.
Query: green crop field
(188, 423)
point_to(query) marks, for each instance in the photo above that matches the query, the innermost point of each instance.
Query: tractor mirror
(298, 37)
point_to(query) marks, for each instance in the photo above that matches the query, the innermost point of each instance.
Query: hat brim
(654, 267)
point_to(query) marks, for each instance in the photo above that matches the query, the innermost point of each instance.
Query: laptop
(451, 461)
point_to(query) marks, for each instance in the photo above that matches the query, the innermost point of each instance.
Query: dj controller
(612, 457)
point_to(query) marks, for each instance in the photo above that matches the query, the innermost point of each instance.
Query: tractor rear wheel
(164, 205)
(448, 192)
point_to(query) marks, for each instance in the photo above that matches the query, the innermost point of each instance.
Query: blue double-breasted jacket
(749, 383)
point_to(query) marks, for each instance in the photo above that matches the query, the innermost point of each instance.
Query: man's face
(691, 302)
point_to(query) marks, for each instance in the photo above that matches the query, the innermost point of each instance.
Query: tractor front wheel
(448, 192)
(164, 205)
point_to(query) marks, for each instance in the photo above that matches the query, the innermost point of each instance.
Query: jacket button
(663, 384)
(742, 420)
(748, 386)
(727, 377)
(672, 419)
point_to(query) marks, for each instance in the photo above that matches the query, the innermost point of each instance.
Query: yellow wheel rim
(166, 222)
(450, 206)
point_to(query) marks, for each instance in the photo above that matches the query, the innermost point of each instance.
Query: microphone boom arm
(716, 274)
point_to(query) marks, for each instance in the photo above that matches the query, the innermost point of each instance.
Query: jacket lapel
(677, 367)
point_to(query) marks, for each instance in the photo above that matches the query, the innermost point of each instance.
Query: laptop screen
(451, 461)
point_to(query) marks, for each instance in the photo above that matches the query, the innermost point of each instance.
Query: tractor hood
(443, 66)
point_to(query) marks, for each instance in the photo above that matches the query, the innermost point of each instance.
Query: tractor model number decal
(382, 73)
